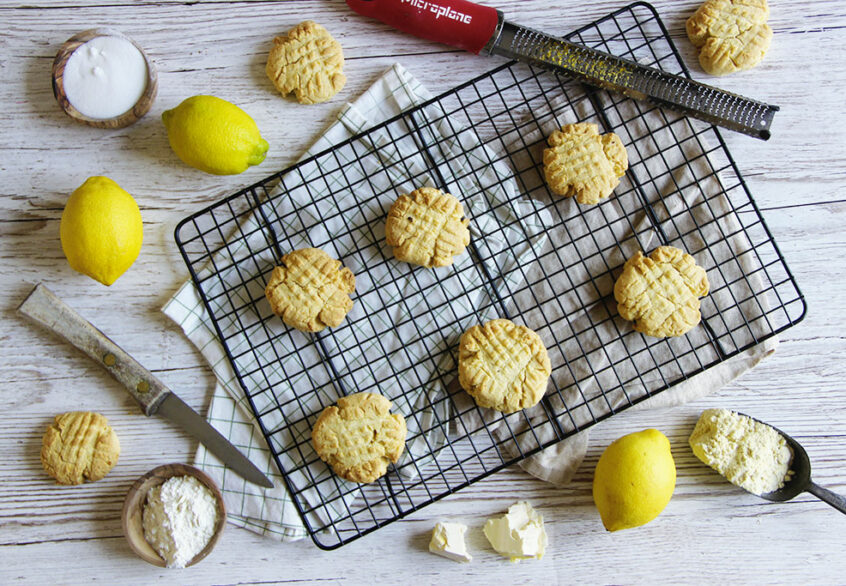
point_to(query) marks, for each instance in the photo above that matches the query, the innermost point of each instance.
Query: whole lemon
(634, 479)
(101, 230)
(214, 135)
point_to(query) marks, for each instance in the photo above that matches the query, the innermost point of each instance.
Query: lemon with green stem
(214, 135)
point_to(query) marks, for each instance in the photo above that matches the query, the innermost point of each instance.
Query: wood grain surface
(711, 532)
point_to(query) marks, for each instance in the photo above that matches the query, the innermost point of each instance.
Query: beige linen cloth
(271, 512)
(690, 200)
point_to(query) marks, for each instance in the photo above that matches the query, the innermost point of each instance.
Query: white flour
(179, 519)
(748, 453)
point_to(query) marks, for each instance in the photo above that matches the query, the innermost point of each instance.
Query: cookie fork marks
(427, 227)
(503, 366)
(359, 437)
(732, 35)
(307, 61)
(309, 292)
(79, 446)
(582, 163)
(660, 292)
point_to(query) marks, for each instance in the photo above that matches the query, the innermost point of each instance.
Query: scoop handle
(832, 498)
(457, 23)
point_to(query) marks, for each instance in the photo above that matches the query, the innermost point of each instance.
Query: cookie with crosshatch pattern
(731, 35)
(79, 446)
(307, 61)
(427, 227)
(660, 292)
(581, 162)
(503, 365)
(310, 291)
(359, 436)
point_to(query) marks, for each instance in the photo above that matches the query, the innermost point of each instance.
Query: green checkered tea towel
(507, 233)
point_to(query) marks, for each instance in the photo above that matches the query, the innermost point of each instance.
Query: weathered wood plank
(710, 532)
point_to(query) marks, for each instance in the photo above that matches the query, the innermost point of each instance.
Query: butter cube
(519, 534)
(448, 541)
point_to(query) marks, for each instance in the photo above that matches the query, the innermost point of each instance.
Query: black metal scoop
(801, 479)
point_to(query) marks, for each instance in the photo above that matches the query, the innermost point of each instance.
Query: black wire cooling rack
(548, 263)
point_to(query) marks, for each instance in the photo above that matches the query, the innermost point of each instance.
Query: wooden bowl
(133, 508)
(141, 107)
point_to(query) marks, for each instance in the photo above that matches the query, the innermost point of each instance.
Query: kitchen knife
(43, 307)
(481, 29)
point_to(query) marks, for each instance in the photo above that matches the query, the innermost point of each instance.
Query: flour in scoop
(105, 77)
(179, 519)
(748, 453)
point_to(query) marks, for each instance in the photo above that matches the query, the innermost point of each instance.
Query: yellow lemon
(101, 230)
(634, 479)
(214, 136)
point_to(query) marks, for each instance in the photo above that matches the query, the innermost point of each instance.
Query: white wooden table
(710, 532)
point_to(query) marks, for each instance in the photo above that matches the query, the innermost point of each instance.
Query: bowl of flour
(173, 516)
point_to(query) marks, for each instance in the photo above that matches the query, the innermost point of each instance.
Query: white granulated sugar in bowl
(105, 77)
(179, 519)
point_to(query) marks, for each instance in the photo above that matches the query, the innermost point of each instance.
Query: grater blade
(637, 81)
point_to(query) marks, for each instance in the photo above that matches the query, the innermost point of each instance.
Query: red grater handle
(457, 23)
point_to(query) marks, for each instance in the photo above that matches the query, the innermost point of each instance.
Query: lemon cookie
(581, 162)
(79, 446)
(359, 436)
(308, 62)
(660, 292)
(503, 366)
(427, 227)
(310, 291)
(732, 35)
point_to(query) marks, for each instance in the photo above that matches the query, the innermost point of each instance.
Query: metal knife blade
(175, 409)
(44, 308)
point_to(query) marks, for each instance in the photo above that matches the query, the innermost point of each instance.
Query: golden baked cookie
(584, 163)
(359, 436)
(308, 62)
(427, 227)
(503, 366)
(309, 291)
(660, 292)
(79, 446)
(732, 35)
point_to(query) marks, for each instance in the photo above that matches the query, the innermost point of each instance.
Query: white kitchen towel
(271, 512)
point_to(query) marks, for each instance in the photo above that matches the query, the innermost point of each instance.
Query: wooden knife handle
(44, 308)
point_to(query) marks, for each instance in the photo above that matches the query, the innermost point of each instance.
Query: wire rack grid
(545, 262)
